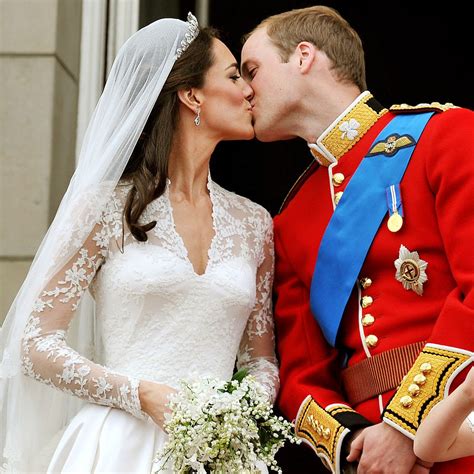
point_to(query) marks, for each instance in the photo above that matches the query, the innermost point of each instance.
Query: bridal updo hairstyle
(147, 168)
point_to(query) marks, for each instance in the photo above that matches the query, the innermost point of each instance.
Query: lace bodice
(157, 318)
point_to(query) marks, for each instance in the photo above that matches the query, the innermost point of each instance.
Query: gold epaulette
(426, 384)
(424, 107)
(320, 430)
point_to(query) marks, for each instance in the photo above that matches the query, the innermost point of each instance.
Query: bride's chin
(250, 134)
(250, 129)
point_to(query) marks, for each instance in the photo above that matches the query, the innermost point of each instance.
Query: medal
(395, 209)
(395, 222)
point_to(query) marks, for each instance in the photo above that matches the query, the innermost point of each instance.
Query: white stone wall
(39, 76)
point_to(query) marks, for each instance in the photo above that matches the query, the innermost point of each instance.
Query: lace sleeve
(257, 347)
(46, 356)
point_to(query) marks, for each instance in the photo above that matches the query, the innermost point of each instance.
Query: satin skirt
(107, 440)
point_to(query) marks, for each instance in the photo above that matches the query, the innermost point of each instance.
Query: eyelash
(252, 73)
(235, 77)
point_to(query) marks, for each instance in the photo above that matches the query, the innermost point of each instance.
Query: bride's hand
(154, 398)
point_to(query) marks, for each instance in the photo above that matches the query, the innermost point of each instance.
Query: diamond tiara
(190, 36)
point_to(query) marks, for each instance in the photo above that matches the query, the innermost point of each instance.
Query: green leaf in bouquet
(237, 377)
(240, 375)
(265, 434)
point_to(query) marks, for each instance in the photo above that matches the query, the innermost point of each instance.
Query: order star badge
(411, 270)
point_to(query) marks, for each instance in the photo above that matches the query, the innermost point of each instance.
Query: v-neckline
(179, 238)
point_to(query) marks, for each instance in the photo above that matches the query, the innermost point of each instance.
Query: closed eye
(252, 72)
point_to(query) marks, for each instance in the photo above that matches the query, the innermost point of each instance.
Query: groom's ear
(191, 98)
(305, 54)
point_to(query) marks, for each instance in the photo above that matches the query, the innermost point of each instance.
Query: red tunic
(438, 201)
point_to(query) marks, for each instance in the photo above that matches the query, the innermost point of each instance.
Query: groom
(374, 269)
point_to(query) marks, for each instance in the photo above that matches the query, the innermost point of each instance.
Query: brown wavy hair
(147, 168)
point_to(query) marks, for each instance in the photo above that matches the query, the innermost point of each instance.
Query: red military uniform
(382, 316)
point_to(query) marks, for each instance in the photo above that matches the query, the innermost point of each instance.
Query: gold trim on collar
(346, 131)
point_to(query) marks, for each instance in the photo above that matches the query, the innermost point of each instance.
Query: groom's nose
(248, 91)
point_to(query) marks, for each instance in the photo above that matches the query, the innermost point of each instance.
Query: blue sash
(356, 219)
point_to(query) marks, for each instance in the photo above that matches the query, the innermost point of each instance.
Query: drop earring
(197, 119)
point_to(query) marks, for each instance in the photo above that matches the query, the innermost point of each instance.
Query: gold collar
(347, 129)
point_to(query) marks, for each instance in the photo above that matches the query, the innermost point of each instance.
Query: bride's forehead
(223, 57)
(221, 51)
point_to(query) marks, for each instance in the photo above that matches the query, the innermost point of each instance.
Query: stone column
(39, 76)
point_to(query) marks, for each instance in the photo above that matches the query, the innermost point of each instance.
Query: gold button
(368, 320)
(414, 390)
(365, 283)
(338, 179)
(371, 340)
(337, 197)
(425, 368)
(326, 433)
(366, 301)
(419, 379)
(406, 401)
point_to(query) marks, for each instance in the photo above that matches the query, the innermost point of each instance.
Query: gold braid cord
(425, 107)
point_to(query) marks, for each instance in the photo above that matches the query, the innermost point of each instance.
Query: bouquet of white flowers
(223, 427)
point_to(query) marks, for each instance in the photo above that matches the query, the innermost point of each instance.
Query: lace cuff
(132, 405)
(265, 371)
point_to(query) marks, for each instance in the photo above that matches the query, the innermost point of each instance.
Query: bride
(180, 270)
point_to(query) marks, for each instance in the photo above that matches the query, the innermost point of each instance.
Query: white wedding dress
(157, 320)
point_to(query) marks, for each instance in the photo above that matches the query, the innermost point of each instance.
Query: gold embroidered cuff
(426, 384)
(320, 430)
